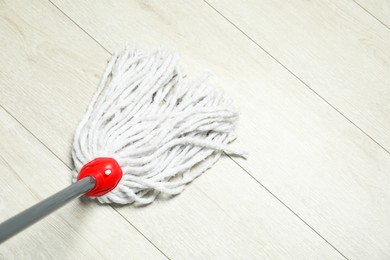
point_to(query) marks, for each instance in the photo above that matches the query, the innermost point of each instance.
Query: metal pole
(31, 215)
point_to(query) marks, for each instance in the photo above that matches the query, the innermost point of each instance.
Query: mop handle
(31, 215)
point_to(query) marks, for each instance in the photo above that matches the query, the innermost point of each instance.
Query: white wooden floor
(312, 82)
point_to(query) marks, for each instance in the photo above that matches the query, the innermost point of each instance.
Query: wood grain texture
(80, 230)
(307, 154)
(49, 71)
(335, 47)
(380, 9)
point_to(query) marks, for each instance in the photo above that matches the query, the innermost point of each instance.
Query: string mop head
(149, 130)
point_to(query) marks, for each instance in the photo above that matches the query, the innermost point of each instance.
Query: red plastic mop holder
(106, 172)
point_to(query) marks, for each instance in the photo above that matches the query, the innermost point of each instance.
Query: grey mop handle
(40, 210)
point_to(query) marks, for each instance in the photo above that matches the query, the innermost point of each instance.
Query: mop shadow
(161, 198)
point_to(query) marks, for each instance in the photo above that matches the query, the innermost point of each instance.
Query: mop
(148, 130)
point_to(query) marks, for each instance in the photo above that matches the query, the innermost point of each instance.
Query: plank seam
(55, 155)
(286, 206)
(371, 14)
(296, 76)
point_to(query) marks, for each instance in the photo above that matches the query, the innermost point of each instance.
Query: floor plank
(81, 230)
(380, 9)
(307, 154)
(50, 69)
(335, 47)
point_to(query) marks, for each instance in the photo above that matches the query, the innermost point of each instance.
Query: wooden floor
(311, 80)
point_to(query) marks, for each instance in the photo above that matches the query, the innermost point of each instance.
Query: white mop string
(163, 130)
